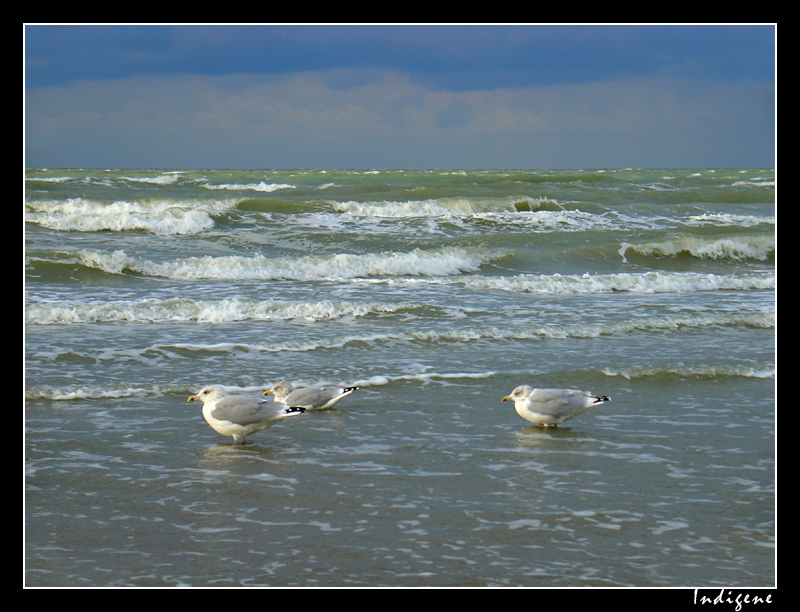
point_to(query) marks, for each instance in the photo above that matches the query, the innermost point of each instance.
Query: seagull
(551, 406)
(239, 416)
(310, 398)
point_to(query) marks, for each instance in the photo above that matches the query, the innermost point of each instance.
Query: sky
(403, 96)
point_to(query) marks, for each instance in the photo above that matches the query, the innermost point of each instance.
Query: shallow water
(412, 485)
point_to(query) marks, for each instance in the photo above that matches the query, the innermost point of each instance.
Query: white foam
(435, 262)
(756, 182)
(647, 282)
(48, 179)
(83, 392)
(447, 335)
(204, 311)
(712, 371)
(169, 178)
(260, 186)
(731, 219)
(444, 207)
(162, 217)
(499, 210)
(745, 246)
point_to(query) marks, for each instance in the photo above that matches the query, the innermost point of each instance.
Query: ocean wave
(412, 208)
(466, 335)
(163, 217)
(528, 213)
(448, 206)
(260, 186)
(78, 392)
(96, 392)
(168, 178)
(730, 219)
(424, 377)
(435, 262)
(756, 182)
(49, 179)
(202, 311)
(711, 371)
(242, 309)
(647, 282)
(741, 247)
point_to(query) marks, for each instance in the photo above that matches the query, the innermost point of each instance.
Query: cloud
(399, 96)
(370, 117)
(452, 57)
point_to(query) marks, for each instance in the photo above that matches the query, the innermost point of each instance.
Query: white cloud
(366, 118)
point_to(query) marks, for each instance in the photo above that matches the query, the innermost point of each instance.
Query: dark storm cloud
(455, 57)
(399, 96)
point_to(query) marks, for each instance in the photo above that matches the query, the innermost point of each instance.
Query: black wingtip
(291, 409)
(350, 389)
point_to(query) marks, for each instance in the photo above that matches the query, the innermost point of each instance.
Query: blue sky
(399, 96)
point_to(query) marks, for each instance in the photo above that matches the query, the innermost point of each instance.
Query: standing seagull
(551, 406)
(310, 398)
(239, 416)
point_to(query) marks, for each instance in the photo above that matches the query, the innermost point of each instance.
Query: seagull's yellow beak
(268, 391)
(506, 398)
(191, 399)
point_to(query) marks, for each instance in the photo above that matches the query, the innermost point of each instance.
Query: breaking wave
(162, 217)
(201, 311)
(419, 262)
(760, 247)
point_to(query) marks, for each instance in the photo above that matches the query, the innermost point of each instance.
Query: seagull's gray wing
(245, 411)
(560, 402)
(317, 397)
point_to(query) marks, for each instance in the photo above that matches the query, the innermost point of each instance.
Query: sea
(436, 293)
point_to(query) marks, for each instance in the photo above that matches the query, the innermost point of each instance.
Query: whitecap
(169, 178)
(745, 246)
(203, 311)
(435, 262)
(708, 371)
(647, 282)
(260, 186)
(163, 217)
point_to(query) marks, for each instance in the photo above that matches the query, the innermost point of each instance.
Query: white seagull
(238, 415)
(310, 398)
(551, 406)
